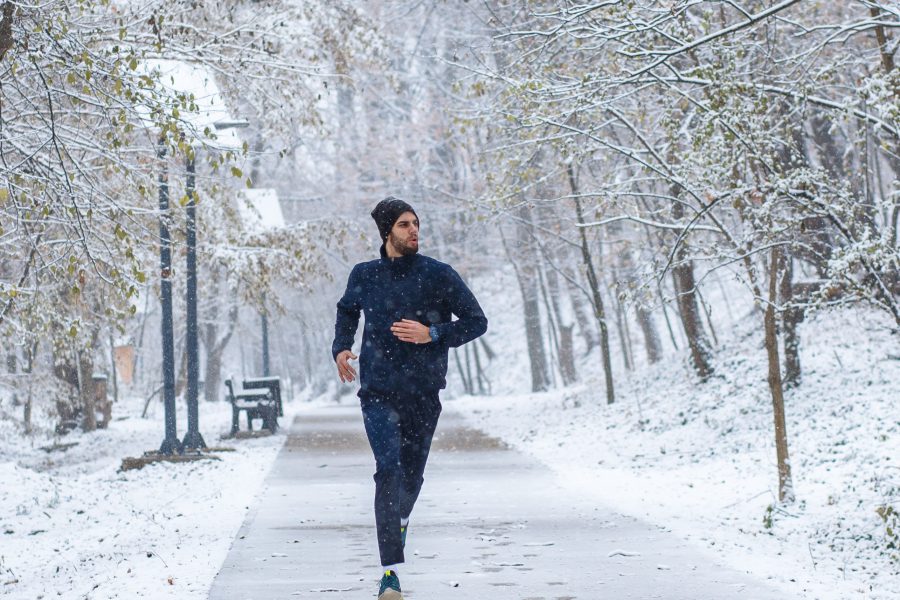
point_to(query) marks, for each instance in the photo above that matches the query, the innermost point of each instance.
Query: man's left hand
(411, 331)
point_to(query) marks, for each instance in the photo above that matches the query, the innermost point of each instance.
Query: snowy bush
(891, 519)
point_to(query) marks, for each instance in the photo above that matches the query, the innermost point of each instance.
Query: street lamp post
(170, 444)
(193, 439)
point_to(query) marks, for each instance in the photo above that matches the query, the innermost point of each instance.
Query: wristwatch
(433, 332)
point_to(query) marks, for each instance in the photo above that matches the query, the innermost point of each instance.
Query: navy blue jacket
(412, 287)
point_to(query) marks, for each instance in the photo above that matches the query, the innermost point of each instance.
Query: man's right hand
(345, 371)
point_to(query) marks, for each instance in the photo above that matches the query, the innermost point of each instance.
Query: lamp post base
(171, 446)
(193, 441)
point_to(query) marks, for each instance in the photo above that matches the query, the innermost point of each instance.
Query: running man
(409, 301)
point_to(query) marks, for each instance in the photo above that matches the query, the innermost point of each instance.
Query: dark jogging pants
(400, 429)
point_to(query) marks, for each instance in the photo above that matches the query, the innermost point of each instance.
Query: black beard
(401, 248)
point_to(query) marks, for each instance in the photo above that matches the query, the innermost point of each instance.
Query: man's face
(404, 235)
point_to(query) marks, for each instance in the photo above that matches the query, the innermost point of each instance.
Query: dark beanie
(387, 212)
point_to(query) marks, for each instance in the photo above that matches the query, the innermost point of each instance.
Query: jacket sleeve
(348, 308)
(470, 322)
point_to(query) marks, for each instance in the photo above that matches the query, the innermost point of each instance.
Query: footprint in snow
(626, 553)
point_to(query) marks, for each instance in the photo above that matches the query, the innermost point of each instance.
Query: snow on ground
(73, 526)
(699, 459)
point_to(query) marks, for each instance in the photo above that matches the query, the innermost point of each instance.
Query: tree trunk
(26, 414)
(894, 221)
(86, 390)
(68, 409)
(725, 299)
(215, 348)
(212, 374)
(28, 369)
(75, 368)
(683, 279)
(553, 320)
(581, 316)
(651, 337)
(685, 288)
(533, 330)
(112, 368)
(467, 385)
(307, 361)
(595, 291)
(11, 367)
(785, 486)
(830, 155)
(491, 355)
(565, 350)
(6, 38)
(101, 399)
(484, 384)
(526, 276)
(554, 256)
(467, 350)
(887, 56)
(624, 338)
(655, 240)
(567, 354)
(707, 312)
(791, 317)
(665, 312)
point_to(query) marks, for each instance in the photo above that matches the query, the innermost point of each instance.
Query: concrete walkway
(490, 523)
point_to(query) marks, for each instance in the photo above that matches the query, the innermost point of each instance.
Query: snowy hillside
(699, 459)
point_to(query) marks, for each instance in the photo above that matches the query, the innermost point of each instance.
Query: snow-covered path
(491, 522)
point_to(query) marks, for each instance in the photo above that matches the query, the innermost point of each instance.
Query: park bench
(258, 403)
(273, 384)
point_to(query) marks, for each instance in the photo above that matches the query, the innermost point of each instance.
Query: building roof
(260, 209)
(179, 77)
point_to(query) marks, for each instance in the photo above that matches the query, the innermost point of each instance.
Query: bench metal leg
(270, 420)
(235, 414)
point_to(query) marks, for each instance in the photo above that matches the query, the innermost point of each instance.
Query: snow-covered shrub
(891, 519)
